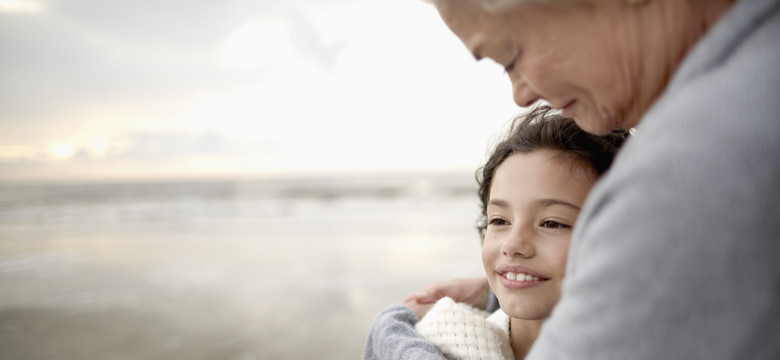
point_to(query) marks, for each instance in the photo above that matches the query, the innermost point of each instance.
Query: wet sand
(233, 281)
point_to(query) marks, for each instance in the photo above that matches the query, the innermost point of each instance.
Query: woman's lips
(566, 110)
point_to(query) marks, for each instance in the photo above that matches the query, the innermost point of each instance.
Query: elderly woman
(676, 250)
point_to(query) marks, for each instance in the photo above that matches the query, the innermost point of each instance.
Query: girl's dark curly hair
(544, 128)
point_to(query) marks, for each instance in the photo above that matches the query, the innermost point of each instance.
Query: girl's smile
(519, 277)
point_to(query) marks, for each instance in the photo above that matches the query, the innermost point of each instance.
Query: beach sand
(227, 277)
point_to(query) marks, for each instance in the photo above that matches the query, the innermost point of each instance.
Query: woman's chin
(595, 124)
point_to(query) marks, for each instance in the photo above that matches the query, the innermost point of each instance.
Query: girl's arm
(393, 336)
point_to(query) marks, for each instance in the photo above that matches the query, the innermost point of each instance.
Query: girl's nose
(518, 243)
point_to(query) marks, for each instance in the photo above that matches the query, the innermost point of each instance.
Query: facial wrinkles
(665, 48)
(498, 36)
(528, 78)
(540, 70)
(546, 48)
(464, 18)
(495, 41)
(522, 74)
(635, 76)
(662, 33)
(522, 92)
(565, 61)
(620, 91)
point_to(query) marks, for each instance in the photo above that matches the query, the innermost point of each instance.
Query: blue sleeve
(393, 336)
(492, 302)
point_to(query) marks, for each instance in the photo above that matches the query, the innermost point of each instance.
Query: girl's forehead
(541, 173)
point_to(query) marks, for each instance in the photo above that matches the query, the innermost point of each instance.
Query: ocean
(286, 268)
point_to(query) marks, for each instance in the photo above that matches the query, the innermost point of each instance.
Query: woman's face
(534, 201)
(581, 57)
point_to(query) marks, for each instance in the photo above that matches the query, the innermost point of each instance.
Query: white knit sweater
(463, 332)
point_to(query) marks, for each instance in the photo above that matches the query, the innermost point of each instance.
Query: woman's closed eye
(552, 224)
(513, 62)
(509, 67)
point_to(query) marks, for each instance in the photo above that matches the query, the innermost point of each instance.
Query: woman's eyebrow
(477, 52)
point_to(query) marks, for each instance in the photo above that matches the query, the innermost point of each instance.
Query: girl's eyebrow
(547, 202)
(498, 202)
(551, 201)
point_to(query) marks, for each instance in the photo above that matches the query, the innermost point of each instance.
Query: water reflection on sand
(288, 269)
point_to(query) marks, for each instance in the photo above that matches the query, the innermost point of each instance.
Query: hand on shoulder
(472, 291)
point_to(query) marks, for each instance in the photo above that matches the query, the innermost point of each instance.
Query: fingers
(419, 309)
(432, 293)
(473, 291)
(422, 297)
(414, 297)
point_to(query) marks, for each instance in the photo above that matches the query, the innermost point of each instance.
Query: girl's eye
(497, 222)
(551, 224)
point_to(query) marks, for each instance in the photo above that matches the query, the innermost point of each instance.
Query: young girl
(532, 188)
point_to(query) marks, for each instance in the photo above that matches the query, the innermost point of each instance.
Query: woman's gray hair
(498, 6)
(502, 5)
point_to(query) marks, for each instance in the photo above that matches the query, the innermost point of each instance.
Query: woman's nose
(523, 95)
(518, 243)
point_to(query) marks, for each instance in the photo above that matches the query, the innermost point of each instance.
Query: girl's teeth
(521, 277)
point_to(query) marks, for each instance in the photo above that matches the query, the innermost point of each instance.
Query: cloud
(143, 53)
(21, 6)
(340, 85)
(146, 146)
(140, 155)
(262, 44)
(163, 146)
(309, 42)
(82, 52)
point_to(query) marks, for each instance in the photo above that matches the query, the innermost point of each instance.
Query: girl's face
(534, 201)
(581, 57)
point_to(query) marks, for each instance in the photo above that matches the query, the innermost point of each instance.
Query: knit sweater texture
(464, 332)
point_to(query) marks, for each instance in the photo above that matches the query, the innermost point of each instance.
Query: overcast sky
(95, 89)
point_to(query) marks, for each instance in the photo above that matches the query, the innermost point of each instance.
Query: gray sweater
(677, 250)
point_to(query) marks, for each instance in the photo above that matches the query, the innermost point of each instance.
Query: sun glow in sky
(20, 6)
(144, 89)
